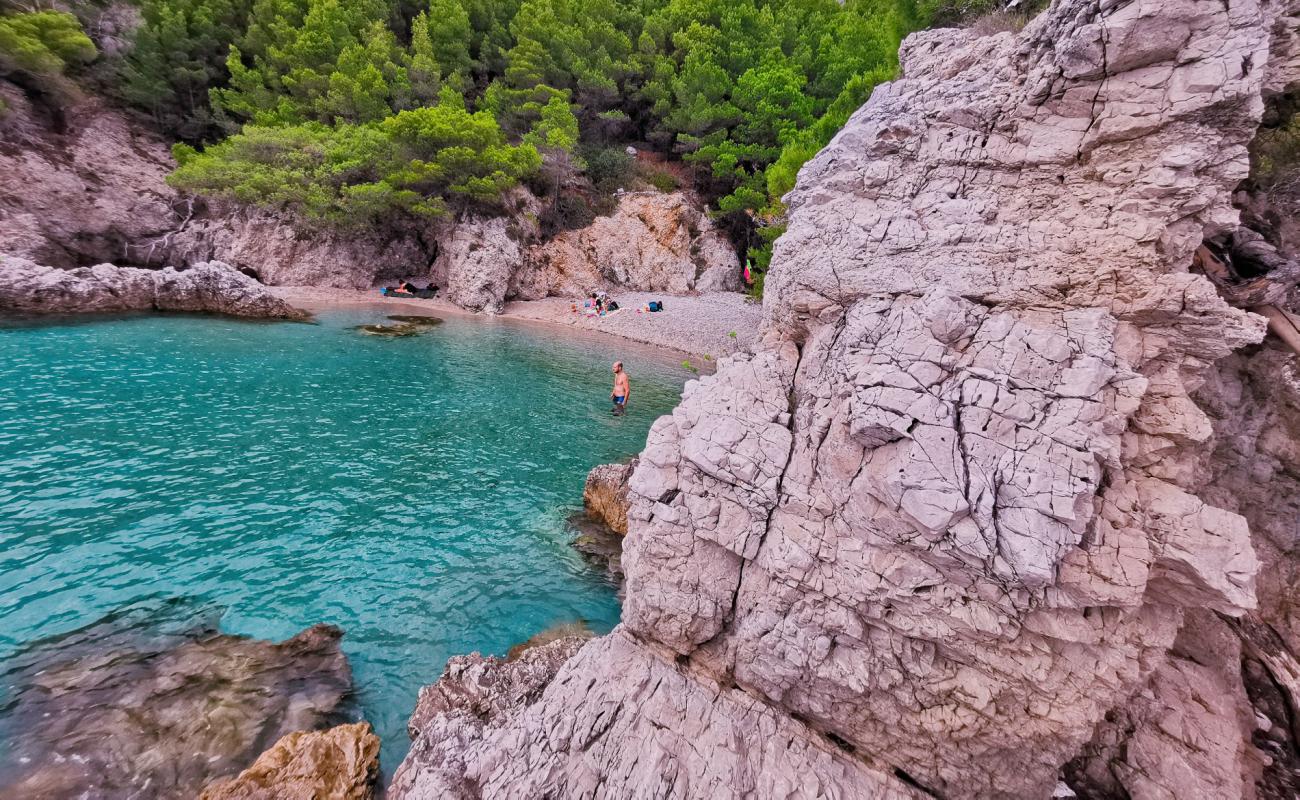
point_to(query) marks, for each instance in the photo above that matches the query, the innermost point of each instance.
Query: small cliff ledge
(29, 288)
(965, 524)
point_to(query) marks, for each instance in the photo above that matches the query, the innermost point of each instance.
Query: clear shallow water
(412, 491)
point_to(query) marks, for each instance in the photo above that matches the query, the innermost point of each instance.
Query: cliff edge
(977, 516)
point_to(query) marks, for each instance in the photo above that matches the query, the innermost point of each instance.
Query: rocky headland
(30, 288)
(1002, 506)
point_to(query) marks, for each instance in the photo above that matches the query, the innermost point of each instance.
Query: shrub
(662, 180)
(608, 168)
(37, 48)
(414, 162)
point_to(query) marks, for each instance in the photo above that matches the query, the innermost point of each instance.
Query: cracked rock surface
(652, 242)
(941, 531)
(28, 288)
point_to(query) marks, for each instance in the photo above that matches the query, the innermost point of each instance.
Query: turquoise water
(412, 491)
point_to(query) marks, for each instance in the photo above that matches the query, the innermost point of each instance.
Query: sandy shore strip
(700, 325)
(713, 325)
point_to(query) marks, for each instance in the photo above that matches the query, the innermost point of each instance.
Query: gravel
(706, 325)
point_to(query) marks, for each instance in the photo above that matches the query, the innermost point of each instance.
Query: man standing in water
(622, 390)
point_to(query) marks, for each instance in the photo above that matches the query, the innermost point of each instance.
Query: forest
(351, 111)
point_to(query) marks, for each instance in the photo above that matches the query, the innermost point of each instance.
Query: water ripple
(411, 491)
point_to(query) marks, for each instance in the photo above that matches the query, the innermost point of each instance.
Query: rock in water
(340, 763)
(416, 319)
(952, 512)
(605, 495)
(29, 288)
(398, 331)
(116, 708)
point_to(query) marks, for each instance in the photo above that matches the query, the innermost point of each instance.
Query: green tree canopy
(38, 47)
(417, 161)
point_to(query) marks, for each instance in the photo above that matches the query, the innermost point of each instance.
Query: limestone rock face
(283, 251)
(605, 495)
(473, 695)
(81, 189)
(339, 763)
(951, 514)
(475, 262)
(652, 242)
(29, 288)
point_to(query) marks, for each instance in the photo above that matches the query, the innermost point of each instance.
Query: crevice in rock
(914, 783)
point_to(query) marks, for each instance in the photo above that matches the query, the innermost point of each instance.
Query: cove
(412, 491)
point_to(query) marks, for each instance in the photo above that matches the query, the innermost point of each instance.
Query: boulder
(475, 262)
(340, 763)
(651, 242)
(28, 288)
(605, 496)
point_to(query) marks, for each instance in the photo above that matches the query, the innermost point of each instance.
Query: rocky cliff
(651, 242)
(1006, 496)
(103, 198)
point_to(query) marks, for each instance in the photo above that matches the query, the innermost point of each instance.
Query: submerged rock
(599, 544)
(341, 763)
(29, 288)
(409, 328)
(120, 708)
(416, 319)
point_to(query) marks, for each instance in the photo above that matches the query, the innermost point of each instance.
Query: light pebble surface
(699, 325)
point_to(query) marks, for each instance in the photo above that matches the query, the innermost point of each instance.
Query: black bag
(656, 305)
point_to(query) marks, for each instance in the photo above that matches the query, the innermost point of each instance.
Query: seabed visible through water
(412, 490)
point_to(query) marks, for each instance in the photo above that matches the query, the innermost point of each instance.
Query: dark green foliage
(1275, 153)
(953, 13)
(179, 55)
(744, 91)
(321, 60)
(608, 168)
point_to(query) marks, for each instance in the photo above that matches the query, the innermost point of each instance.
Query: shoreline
(700, 326)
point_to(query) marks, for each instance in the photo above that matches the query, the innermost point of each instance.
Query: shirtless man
(622, 390)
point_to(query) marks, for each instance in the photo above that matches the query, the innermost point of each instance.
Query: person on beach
(622, 390)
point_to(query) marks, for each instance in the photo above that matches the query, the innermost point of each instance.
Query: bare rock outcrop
(605, 495)
(952, 513)
(651, 242)
(284, 251)
(81, 186)
(339, 763)
(28, 288)
(84, 186)
(477, 257)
